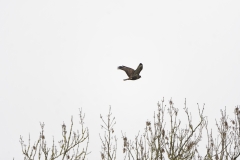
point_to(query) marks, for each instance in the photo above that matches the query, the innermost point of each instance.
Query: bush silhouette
(165, 137)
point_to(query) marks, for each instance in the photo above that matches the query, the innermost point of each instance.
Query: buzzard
(132, 74)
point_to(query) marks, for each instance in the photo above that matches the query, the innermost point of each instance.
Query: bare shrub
(167, 136)
(159, 143)
(109, 141)
(226, 145)
(68, 148)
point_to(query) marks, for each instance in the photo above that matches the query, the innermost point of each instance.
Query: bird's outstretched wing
(128, 70)
(139, 69)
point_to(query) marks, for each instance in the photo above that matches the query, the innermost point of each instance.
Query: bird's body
(132, 74)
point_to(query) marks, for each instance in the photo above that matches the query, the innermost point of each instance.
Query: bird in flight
(132, 74)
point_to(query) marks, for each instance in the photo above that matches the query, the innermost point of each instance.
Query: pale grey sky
(58, 56)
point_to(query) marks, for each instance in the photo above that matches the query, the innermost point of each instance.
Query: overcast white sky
(58, 56)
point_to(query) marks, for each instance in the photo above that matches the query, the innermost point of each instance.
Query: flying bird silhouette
(132, 74)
